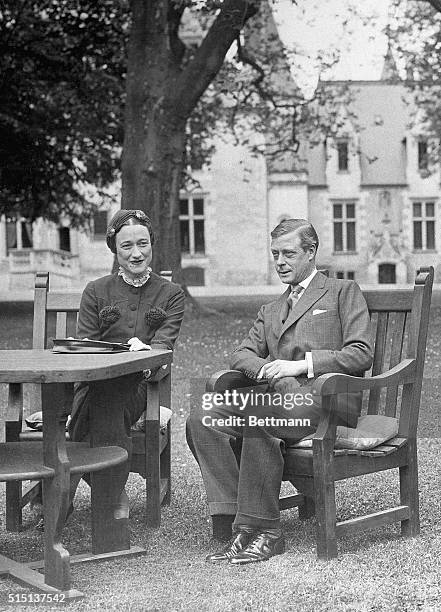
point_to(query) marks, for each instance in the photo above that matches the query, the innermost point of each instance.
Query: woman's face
(133, 249)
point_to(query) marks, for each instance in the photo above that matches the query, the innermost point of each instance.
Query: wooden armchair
(150, 448)
(400, 319)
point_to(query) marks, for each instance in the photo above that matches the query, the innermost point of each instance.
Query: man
(318, 325)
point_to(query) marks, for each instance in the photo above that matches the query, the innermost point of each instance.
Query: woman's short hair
(127, 217)
(307, 234)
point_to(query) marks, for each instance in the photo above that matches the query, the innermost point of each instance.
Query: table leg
(107, 428)
(56, 399)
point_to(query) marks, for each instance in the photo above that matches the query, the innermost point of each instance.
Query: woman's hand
(137, 345)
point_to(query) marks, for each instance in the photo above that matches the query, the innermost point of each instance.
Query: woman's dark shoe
(237, 543)
(262, 547)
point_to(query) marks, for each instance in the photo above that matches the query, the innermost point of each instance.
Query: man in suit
(318, 325)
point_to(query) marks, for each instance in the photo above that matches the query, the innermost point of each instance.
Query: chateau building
(370, 194)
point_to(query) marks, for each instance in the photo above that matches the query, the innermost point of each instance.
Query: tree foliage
(68, 68)
(62, 65)
(415, 31)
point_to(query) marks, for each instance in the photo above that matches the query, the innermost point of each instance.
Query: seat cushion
(371, 430)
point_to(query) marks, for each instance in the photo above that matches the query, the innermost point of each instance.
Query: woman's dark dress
(115, 311)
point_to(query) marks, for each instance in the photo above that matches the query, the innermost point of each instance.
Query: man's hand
(137, 345)
(281, 368)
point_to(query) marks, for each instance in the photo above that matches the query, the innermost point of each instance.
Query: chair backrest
(400, 320)
(64, 306)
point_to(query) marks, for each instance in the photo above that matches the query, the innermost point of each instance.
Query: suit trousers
(249, 490)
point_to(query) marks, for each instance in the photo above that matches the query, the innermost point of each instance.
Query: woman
(134, 306)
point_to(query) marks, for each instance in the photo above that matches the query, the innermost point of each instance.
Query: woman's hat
(120, 219)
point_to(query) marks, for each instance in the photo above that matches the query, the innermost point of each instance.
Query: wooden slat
(370, 521)
(377, 367)
(30, 492)
(86, 557)
(66, 302)
(396, 353)
(389, 300)
(291, 501)
(61, 326)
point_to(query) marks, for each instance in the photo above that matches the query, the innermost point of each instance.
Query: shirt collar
(306, 281)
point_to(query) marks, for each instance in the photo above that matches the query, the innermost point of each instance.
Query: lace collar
(135, 282)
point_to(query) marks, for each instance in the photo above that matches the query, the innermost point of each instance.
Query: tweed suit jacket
(330, 320)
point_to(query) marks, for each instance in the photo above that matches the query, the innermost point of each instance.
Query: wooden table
(55, 459)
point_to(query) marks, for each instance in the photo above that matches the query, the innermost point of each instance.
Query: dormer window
(423, 161)
(343, 155)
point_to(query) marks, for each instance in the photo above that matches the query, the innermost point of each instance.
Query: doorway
(387, 274)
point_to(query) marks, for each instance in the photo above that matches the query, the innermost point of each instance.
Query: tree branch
(209, 57)
(174, 16)
(246, 58)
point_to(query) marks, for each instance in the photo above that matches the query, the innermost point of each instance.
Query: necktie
(294, 296)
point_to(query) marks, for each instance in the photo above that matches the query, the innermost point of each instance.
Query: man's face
(133, 249)
(292, 263)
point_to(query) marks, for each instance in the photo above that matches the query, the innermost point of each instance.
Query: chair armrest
(230, 379)
(331, 384)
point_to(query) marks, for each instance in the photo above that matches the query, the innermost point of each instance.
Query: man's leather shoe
(262, 547)
(237, 543)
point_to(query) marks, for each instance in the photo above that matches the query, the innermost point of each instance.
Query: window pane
(350, 236)
(26, 235)
(337, 211)
(183, 207)
(64, 235)
(350, 275)
(342, 151)
(422, 155)
(430, 237)
(185, 237)
(198, 206)
(417, 235)
(417, 209)
(430, 209)
(100, 222)
(340, 274)
(338, 237)
(350, 211)
(11, 235)
(199, 239)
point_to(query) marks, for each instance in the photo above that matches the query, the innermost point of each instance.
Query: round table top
(44, 366)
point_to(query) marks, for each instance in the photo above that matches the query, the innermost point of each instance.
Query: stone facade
(375, 206)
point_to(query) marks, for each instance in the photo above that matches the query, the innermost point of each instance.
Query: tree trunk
(162, 91)
(154, 139)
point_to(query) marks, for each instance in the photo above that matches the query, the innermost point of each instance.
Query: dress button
(131, 325)
(132, 306)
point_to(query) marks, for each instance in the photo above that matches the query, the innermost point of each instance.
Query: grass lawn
(375, 571)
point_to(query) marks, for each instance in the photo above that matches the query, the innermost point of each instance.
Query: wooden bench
(151, 450)
(400, 321)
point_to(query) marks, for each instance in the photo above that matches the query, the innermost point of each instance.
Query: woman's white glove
(137, 345)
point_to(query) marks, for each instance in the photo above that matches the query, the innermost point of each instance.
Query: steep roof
(381, 120)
